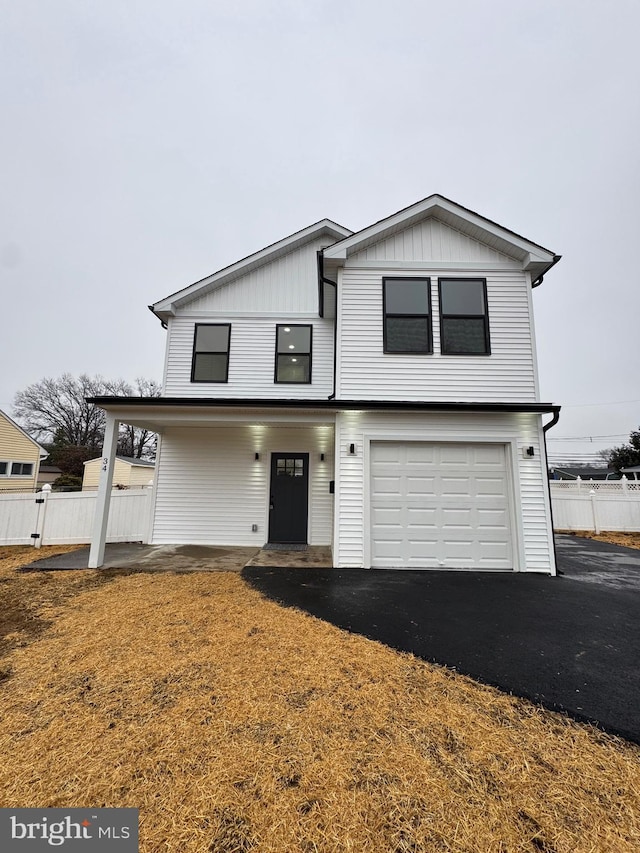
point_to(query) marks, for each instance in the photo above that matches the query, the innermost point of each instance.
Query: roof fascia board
(123, 403)
(432, 205)
(273, 251)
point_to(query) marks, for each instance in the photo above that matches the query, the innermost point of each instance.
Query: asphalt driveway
(570, 643)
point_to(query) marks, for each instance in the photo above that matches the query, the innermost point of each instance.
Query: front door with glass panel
(289, 498)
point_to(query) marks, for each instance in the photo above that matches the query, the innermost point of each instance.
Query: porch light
(257, 456)
(352, 450)
(322, 457)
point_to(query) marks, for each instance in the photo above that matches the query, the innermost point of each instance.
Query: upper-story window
(464, 316)
(407, 315)
(211, 352)
(293, 353)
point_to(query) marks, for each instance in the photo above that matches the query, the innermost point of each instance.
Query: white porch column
(96, 554)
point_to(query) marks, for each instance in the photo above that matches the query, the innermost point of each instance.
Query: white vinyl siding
(288, 285)
(211, 489)
(430, 239)
(251, 360)
(366, 372)
(531, 532)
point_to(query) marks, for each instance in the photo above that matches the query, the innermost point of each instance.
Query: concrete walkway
(185, 558)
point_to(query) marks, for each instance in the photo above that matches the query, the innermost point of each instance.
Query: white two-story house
(375, 391)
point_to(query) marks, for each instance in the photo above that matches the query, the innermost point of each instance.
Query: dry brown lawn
(629, 540)
(236, 725)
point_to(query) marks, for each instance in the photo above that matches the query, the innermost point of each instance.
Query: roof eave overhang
(533, 257)
(165, 308)
(126, 403)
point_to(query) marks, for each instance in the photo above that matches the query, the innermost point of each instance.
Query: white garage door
(439, 506)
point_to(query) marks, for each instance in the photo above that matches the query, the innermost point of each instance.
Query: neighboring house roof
(165, 307)
(534, 258)
(129, 460)
(585, 473)
(43, 453)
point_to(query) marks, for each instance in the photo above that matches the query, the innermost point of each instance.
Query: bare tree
(56, 413)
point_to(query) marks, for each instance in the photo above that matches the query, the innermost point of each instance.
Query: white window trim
(11, 462)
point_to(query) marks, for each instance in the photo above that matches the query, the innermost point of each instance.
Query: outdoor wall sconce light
(322, 457)
(257, 457)
(352, 450)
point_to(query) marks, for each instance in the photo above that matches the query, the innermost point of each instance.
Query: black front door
(289, 498)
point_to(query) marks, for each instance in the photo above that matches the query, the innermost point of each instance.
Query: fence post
(625, 484)
(38, 535)
(596, 526)
(578, 481)
(150, 512)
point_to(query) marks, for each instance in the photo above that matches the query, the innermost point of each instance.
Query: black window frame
(485, 316)
(310, 353)
(210, 352)
(385, 315)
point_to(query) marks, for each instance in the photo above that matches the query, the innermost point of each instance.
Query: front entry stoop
(313, 557)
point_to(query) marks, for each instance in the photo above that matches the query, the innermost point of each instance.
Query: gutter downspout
(540, 279)
(162, 322)
(324, 280)
(545, 428)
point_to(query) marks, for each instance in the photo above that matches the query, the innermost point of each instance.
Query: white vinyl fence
(596, 505)
(66, 518)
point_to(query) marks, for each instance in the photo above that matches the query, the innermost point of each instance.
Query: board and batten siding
(366, 372)
(533, 543)
(287, 285)
(16, 447)
(431, 239)
(211, 490)
(252, 356)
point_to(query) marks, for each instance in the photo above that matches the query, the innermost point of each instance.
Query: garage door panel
(418, 516)
(456, 515)
(419, 486)
(387, 485)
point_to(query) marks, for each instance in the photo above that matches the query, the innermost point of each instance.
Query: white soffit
(270, 253)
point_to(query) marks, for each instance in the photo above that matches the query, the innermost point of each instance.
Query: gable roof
(534, 258)
(165, 307)
(43, 453)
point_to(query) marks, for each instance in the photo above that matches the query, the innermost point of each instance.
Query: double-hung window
(211, 352)
(293, 353)
(464, 316)
(407, 315)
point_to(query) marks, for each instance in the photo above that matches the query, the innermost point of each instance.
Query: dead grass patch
(629, 540)
(236, 725)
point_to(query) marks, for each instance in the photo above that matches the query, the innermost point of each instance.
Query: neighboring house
(373, 391)
(48, 474)
(20, 457)
(128, 473)
(585, 473)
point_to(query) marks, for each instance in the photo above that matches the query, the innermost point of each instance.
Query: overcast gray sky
(147, 144)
